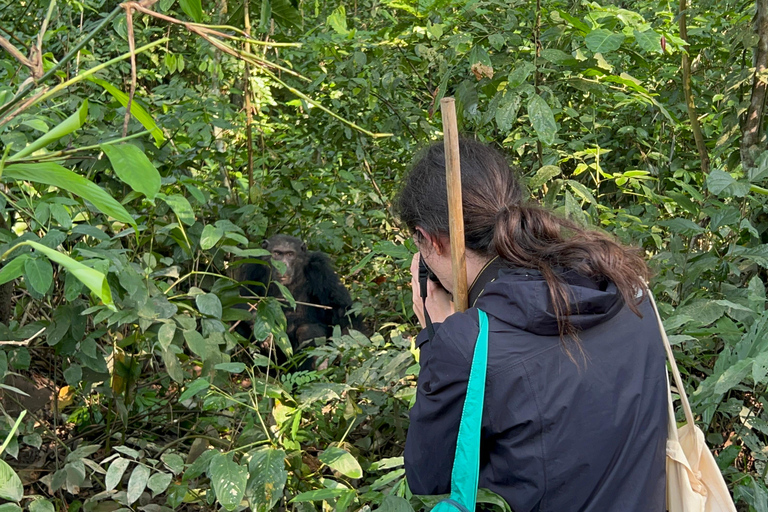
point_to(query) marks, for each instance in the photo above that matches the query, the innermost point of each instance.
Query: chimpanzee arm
(254, 273)
(325, 287)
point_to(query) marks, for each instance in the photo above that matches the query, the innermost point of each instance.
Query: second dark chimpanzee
(310, 278)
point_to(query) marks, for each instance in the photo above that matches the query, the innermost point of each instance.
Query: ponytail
(531, 237)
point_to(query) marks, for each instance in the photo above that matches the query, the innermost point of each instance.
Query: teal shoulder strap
(466, 463)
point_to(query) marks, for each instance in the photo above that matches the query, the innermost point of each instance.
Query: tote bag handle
(673, 365)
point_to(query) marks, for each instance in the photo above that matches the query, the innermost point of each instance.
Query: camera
(425, 273)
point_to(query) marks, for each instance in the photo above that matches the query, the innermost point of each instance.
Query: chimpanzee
(310, 278)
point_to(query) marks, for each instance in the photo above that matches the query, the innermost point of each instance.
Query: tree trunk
(686, 64)
(751, 132)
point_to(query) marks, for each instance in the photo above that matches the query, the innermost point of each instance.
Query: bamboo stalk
(455, 209)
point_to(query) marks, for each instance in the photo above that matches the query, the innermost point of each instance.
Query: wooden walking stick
(455, 210)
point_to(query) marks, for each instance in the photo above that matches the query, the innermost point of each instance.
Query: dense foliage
(125, 384)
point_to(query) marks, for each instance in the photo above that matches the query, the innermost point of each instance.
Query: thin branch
(132, 48)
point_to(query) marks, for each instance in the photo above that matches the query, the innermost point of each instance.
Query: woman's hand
(439, 303)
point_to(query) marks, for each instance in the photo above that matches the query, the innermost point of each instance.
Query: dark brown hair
(499, 219)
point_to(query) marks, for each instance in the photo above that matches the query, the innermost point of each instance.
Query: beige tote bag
(694, 482)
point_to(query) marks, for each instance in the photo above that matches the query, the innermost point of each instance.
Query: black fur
(314, 281)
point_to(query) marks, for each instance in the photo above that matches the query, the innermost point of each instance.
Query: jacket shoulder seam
(541, 437)
(521, 361)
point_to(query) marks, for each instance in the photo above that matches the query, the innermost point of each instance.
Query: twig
(132, 49)
(26, 341)
(26, 89)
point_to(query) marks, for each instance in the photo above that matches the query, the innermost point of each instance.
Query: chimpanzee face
(290, 251)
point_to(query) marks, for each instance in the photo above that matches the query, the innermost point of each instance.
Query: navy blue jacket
(556, 436)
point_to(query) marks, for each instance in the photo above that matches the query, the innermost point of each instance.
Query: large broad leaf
(342, 461)
(137, 483)
(115, 472)
(209, 304)
(268, 477)
(134, 168)
(11, 488)
(180, 206)
(57, 176)
(603, 41)
(543, 175)
(137, 110)
(542, 119)
(210, 236)
(649, 40)
(319, 495)
(39, 274)
(395, 504)
(14, 269)
(66, 127)
(193, 9)
(228, 479)
(338, 21)
(93, 279)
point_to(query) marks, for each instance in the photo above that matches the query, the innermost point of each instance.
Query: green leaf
(73, 375)
(210, 236)
(543, 175)
(10, 507)
(137, 482)
(194, 388)
(137, 110)
(41, 505)
(115, 472)
(649, 40)
(395, 504)
(173, 461)
(193, 9)
(93, 279)
(338, 20)
(319, 495)
(228, 479)
(732, 376)
(231, 367)
(285, 14)
(682, 226)
(506, 113)
(180, 206)
(11, 488)
(165, 335)
(209, 304)
(134, 168)
(39, 274)
(542, 119)
(268, 477)
(603, 41)
(66, 127)
(57, 176)
(158, 483)
(13, 269)
(172, 366)
(342, 461)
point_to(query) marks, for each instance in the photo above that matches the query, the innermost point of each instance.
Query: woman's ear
(433, 241)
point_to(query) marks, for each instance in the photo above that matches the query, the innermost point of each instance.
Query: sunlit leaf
(137, 110)
(137, 482)
(57, 176)
(66, 127)
(193, 9)
(542, 119)
(342, 461)
(11, 488)
(134, 168)
(228, 479)
(603, 41)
